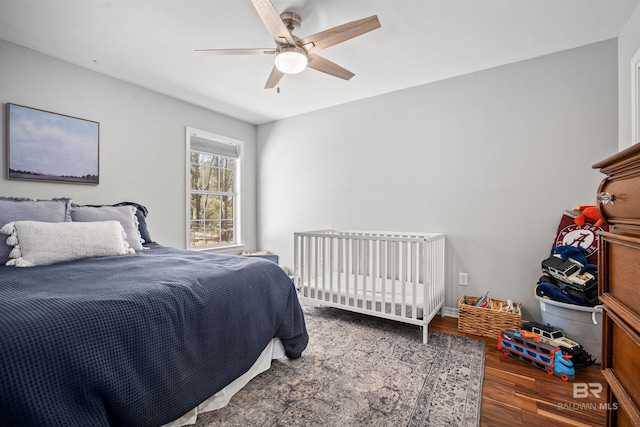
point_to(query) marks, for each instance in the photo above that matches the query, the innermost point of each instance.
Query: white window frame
(635, 98)
(238, 219)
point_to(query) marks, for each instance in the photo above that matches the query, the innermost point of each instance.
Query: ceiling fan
(294, 54)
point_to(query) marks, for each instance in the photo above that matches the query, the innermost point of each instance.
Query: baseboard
(450, 312)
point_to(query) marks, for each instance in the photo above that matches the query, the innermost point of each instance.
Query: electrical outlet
(463, 279)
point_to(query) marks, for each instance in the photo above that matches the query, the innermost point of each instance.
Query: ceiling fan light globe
(291, 60)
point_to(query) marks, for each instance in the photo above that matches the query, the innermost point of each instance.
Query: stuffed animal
(587, 212)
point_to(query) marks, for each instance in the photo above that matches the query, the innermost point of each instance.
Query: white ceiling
(151, 43)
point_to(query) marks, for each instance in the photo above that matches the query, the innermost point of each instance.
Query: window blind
(216, 147)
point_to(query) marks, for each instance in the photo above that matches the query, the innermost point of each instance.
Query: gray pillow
(29, 210)
(124, 214)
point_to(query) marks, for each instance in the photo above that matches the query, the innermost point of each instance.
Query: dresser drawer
(619, 271)
(623, 346)
(627, 230)
(623, 419)
(621, 370)
(625, 208)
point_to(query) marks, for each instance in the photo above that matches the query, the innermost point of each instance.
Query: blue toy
(577, 254)
(527, 348)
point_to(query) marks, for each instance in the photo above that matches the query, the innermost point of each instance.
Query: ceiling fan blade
(235, 51)
(339, 34)
(319, 63)
(274, 78)
(273, 22)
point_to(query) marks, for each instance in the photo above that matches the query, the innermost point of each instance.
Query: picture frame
(52, 147)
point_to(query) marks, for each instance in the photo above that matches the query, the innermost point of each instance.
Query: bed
(146, 338)
(394, 275)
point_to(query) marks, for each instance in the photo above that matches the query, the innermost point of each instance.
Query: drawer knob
(606, 198)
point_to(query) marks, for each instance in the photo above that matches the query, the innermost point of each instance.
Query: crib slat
(415, 249)
(331, 268)
(296, 263)
(359, 274)
(406, 256)
(341, 265)
(374, 275)
(383, 275)
(394, 275)
(313, 268)
(428, 290)
(303, 279)
(321, 258)
(349, 265)
(366, 277)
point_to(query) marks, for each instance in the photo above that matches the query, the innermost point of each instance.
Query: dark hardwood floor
(515, 393)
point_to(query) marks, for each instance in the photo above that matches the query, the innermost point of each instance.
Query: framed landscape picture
(46, 146)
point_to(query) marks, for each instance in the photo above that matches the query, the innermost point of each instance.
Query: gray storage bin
(581, 324)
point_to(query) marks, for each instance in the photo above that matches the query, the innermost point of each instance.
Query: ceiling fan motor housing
(291, 20)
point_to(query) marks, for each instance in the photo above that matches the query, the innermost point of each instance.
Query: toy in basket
(527, 347)
(498, 314)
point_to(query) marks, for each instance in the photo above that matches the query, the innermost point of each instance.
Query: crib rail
(399, 276)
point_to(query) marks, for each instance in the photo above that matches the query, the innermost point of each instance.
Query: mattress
(365, 291)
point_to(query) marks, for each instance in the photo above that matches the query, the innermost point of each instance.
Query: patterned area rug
(360, 370)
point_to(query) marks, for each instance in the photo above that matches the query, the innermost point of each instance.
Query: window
(635, 98)
(213, 190)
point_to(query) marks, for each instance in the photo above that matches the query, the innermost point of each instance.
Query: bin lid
(594, 309)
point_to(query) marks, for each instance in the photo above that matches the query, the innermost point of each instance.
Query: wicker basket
(484, 321)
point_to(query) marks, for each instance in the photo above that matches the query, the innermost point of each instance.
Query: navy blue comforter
(136, 340)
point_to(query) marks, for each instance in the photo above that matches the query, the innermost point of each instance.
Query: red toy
(588, 212)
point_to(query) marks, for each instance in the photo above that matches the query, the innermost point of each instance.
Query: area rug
(364, 371)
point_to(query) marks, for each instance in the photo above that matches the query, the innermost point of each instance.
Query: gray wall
(491, 159)
(142, 139)
(628, 45)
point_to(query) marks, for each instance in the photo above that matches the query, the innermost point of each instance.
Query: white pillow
(42, 243)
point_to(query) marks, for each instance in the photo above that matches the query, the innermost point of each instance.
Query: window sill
(229, 249)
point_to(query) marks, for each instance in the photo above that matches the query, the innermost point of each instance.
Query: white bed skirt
(273, 350)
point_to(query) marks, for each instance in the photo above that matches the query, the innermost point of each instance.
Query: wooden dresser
(619, 284)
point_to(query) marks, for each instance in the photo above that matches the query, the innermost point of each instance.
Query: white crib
(394, 275)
